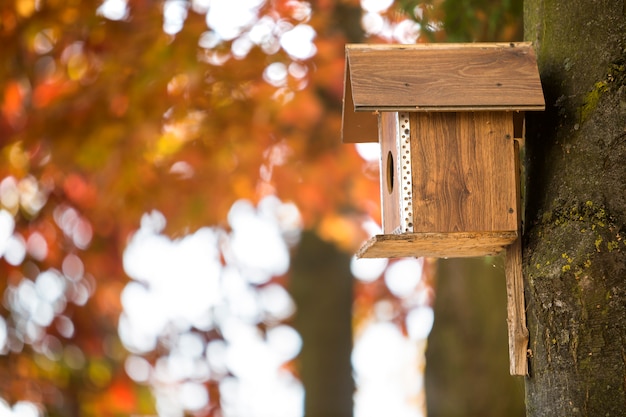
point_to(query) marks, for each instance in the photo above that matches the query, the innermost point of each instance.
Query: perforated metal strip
(406, 187)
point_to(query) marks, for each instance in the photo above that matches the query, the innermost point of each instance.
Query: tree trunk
(467, 359)
(321, 285)
(575, 233)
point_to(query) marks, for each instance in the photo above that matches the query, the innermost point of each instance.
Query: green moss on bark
(615, 77)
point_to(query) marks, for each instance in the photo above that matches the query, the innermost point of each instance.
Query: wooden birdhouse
(449, 119)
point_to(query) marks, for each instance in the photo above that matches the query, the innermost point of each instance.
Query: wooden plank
(463, 172)
(355, 127)
(438, 245)
(515, 307)
(389, 172)
(516, 312)
(449, 77)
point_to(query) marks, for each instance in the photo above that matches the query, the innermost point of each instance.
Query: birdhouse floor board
(437, 245)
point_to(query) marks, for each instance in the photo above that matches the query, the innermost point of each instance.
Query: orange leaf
(12, 105)
(79, 191)
(122, 397)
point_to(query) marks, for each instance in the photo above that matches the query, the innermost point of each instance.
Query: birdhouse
(449, 119)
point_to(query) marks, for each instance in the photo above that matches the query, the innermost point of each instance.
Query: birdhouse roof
(436, 77)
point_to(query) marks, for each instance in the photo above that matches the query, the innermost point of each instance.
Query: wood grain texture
(516, 312)
(463, 172)
(390, 200)
(455, 77)
(355, 127)
(437, 245)
(515, 306)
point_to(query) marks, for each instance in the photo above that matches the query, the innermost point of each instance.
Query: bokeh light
(402, 277)
(181, 288)
(386, 367)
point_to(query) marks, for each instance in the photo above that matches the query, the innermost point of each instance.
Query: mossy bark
(575, 227)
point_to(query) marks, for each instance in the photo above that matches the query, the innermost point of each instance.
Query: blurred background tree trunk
(575, 253)
(321, 286)
(467, 362)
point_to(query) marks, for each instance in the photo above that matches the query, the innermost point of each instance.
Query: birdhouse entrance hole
(390, 175)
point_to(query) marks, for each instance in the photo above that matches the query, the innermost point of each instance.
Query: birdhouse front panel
(464, 178)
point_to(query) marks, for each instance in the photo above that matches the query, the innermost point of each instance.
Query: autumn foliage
(105, 117)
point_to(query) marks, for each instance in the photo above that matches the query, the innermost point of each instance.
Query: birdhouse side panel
(389, 173)
(395, 168)
(463, 172)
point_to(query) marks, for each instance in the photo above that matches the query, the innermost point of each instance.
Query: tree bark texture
(575, 226)
(321, 285)
(467, 361)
